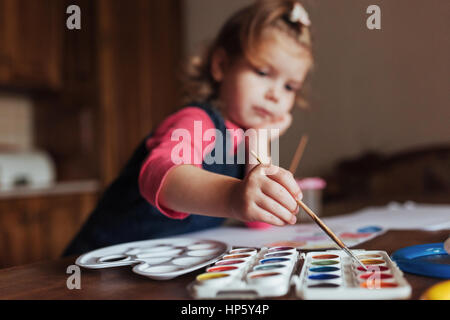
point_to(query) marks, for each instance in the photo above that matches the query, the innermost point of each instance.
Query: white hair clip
(299, 14)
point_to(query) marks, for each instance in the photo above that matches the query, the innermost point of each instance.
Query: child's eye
(289, 88)
(293, 88)
(261, 73)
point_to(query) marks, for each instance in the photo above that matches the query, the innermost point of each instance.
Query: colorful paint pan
(277, 254)
(323, 276)
(229, 262)
(325, 262)
(270, 267)
(324, 269)
(378, 285)
(222, 269)
(213, 278)
(231, 270)
(212, 275)
(324, 285)
(266, 277)
(373, 269)
(372, 261)
(376, 275)
(326, 256)
(237, 256)
(273, 260)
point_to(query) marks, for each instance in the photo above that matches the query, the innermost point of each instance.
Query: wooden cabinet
(106, 87)
(139, 62)
(39, 227)
(5, 61)
(30, 43)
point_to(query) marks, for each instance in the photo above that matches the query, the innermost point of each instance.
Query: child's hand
(267, 194)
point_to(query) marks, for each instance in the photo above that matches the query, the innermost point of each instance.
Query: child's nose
(273, 94)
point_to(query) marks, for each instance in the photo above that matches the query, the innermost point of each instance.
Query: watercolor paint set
(332, 274)
(160, 259)
(255, 273)
(246, 273)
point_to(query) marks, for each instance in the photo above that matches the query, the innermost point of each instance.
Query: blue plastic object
(425, 259)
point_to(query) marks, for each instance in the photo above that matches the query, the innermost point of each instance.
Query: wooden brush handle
(321, 224)
(312, 215)
(298, 154)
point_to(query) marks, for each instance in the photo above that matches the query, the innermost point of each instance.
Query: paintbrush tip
(352, 255)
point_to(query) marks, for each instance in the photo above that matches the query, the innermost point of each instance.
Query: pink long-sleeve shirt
(194, 122)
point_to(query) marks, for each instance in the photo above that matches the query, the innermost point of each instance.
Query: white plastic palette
(247, 273)
(160, 259)
(332, 274)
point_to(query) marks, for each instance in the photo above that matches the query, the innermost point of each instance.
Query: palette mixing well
(160, 259)
(248, 273)
(333, 274)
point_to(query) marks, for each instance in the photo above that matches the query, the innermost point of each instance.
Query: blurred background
(75, 103)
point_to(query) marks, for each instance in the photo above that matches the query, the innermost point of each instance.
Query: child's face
(259, 93)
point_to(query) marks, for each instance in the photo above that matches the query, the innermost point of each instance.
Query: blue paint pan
(426, 259)
(323, 276)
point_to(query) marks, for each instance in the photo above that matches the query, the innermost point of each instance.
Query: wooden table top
(47, 280)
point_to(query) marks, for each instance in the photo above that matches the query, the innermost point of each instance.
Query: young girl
(249, 79)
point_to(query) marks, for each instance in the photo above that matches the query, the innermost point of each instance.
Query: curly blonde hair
(239, 37)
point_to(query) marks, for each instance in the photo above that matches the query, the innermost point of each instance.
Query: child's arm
(188, 188)
(259, 197)
(178, 190)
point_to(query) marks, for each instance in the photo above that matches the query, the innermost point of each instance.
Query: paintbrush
(321, 224)
(298, 154)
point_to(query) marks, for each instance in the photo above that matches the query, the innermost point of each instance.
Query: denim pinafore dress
(123, 215)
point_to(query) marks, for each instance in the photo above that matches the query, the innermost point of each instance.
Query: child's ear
(219, 63)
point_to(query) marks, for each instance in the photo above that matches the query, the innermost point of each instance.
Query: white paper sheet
(309, 236)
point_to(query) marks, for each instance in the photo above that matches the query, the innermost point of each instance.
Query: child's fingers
(268, 217)
(286, 179)
(276, 209)
(280, 194)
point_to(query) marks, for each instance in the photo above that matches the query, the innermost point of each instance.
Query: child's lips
(263, 112)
